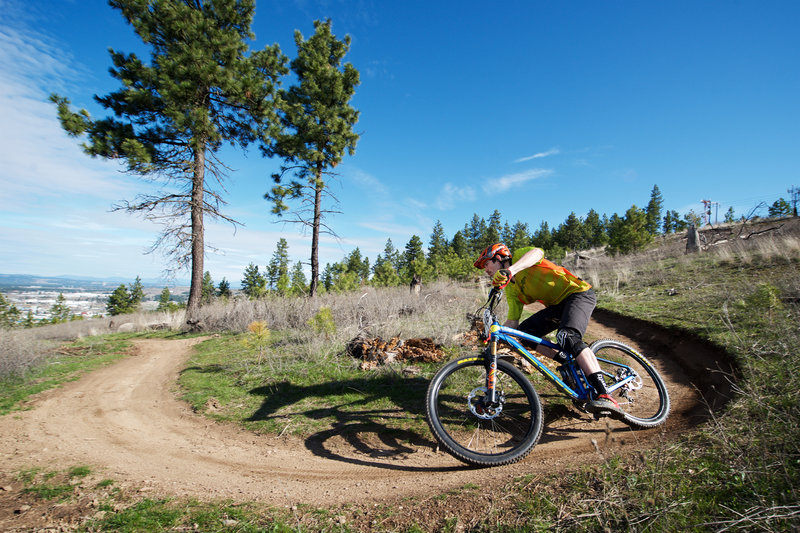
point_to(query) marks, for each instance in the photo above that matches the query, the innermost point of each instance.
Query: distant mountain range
(19, 281)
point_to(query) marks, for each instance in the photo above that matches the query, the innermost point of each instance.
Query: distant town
(85, 297)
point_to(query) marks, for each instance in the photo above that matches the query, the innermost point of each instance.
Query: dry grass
(731, 245)
(20, 351)
(23, 349)
(437, 312)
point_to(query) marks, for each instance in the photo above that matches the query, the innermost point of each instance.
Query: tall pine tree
(172, 115)
(317, 122)
(653, 211)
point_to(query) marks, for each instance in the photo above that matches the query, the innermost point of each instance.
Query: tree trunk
(196, 289)
(315, 234)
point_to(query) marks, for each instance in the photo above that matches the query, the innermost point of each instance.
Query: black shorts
(573, 312)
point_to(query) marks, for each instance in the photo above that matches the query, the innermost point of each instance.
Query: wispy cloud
(451, 194)
(366, 180)
(504, 183)
(552, 151)
(39, 159)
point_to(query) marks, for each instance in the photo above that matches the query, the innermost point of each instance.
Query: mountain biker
(569, 302)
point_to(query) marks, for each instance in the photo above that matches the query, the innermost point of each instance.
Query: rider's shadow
(370, 440)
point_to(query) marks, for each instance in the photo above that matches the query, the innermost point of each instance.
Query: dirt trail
(125, 421)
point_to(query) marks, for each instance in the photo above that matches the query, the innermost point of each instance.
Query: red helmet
(497, 251)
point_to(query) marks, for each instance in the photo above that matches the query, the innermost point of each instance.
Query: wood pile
(377, 351)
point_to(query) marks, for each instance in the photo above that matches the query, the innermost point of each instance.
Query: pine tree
(653, 211)
(668, 223)
(224, 289)
(119, 302)
(254, 285)
(164, 303)
(780, 208)
(628, 234)
(209, 292)
(299, 283)
(475, 235)
(595, 230)
(317, 122)
(359, 266)
(460, 246)
(9, 314)
(277, 273)
(494, 229)
(412, 261)
(437, 246)
(391, 254)
(60, 311)
(171, 117)
(571, 234)
(135, 294)
(543, 237)
(384, 273)
(691, 218)
(673, 222)
(518, 237)
(326, 278)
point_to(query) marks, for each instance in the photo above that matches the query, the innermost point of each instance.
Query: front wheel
(634, 383)
(473, 430)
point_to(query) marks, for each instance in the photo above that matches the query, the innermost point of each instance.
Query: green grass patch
(52, 485)
(182, 515)
(283, 393)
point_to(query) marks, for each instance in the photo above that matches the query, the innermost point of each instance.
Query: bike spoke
(508, 425)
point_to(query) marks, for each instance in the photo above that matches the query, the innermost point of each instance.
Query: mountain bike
(484, 411)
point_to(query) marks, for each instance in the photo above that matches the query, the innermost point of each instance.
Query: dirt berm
(125, 422)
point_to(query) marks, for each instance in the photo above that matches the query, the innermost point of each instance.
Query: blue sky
(534, 108)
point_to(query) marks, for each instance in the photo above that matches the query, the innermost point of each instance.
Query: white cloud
(452, 194)
(552, 151)
(39, 159)
(365, 180)
(504, 183)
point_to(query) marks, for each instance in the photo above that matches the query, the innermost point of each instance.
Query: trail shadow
(370, 440)
(362, 436)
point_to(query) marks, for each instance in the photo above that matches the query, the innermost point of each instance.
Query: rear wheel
(643, 395)
(474, 431)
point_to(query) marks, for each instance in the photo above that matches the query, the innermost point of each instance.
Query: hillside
(318, 444)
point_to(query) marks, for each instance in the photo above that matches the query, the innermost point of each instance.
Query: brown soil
(127, 424)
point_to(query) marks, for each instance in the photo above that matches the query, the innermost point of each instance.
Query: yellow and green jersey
(544, 282)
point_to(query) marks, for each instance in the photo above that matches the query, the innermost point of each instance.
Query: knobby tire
(504, 439)
(645, 405)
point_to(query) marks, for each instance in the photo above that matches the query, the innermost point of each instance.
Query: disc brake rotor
(476, 406)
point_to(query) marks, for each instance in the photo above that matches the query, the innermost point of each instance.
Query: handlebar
(488, 310)
(494, 298)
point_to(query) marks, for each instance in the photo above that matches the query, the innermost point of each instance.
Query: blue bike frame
(500, 333)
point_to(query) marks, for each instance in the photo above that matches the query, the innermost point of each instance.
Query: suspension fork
(491, 372)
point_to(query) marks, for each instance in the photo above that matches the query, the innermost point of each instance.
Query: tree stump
(692, 240)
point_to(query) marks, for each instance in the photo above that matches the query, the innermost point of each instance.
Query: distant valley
(86, 297)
